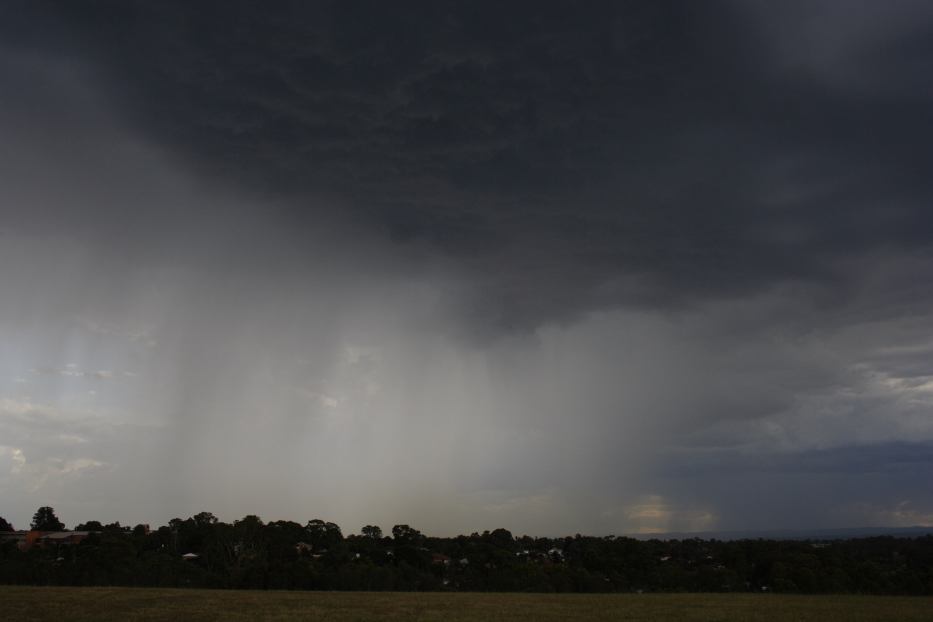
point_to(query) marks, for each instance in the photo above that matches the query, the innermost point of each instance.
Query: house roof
(64, 535)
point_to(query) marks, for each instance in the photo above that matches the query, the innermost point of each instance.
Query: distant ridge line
(790, 534)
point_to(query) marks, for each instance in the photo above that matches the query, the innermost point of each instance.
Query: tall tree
(4, 525)
(372, 532)
(45, 520)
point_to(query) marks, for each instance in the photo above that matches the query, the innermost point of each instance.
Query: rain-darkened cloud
(565, 159)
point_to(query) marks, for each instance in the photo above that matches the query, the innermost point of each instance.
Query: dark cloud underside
(619, 152)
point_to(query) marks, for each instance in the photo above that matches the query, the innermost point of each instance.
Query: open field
(55, 603)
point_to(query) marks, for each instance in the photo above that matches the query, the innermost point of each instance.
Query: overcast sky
(605, 268)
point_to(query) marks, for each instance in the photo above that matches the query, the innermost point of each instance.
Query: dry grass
(38, 603)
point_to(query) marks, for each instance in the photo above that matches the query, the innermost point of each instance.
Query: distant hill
(792, 534)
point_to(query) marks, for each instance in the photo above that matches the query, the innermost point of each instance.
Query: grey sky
(644, 266)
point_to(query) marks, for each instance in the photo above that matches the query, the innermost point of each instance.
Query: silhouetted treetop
(45, 520)
(91, 525)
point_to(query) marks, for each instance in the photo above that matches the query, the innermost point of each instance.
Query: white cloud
(654, 514)
(16, 457)
(906, 513)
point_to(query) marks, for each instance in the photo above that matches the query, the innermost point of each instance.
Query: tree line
(202, 551)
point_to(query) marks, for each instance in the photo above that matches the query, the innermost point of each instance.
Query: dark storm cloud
(828, 486)
(566, 158)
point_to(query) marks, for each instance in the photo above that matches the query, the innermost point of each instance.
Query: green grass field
(54, 603)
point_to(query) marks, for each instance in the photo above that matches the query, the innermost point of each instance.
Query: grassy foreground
(56, 603)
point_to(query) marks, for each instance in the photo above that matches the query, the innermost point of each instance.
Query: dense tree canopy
(4, 525)
(203, 551)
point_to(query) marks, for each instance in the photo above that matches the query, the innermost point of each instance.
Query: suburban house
(25, 540)
(440, 558)
(13, 536)
(303, 548)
